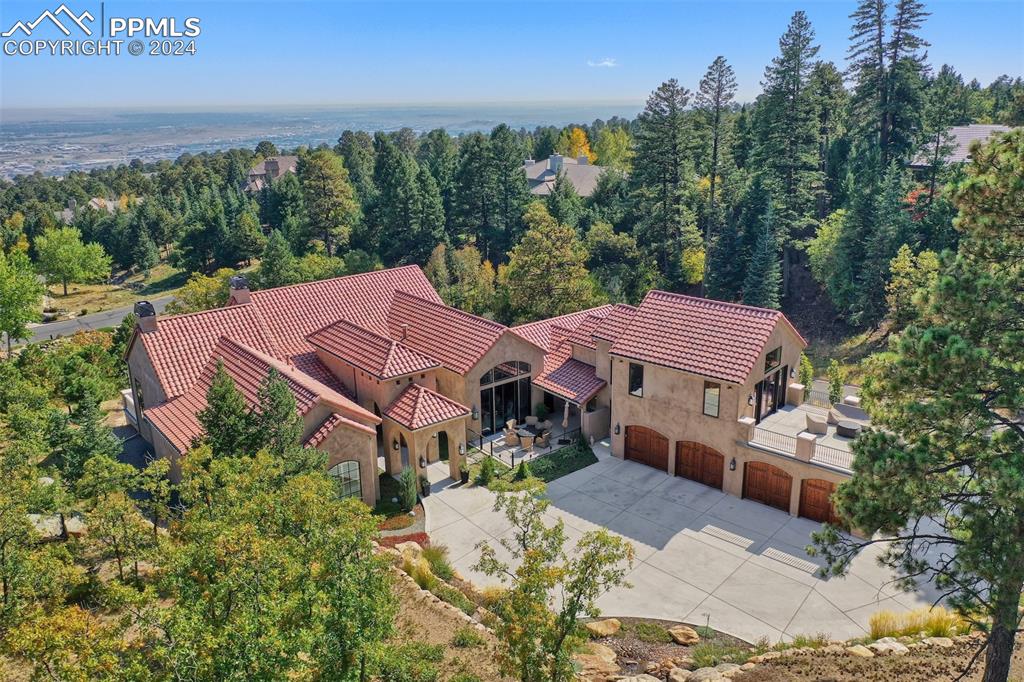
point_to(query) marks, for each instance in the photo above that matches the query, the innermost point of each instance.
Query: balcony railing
(774, 440)
(817, 398)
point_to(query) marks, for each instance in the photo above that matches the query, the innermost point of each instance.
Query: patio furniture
(848, 429)
(511, 438)
(531, 420)
(527, 442)
(817, 424)
(511, 424)
(543, 440)
(546, 425)
(834, 417)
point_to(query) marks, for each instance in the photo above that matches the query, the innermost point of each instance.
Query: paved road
(106, 318)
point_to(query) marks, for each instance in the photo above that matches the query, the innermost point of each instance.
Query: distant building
(111, 206)
(271, 168)
(960, 139)
(583, 175)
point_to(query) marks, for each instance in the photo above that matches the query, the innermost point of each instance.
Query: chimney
(146, 313)
(405, 331)
(528, 162)
(72, 204)
(582, 159)
(555, 163)
(239, 290)
(271, 168)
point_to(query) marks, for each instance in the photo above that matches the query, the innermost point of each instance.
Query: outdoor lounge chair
(511, 424)
(511, 438)
(531, 420)
(545, 425)
(834, 416)
(543, 440)
(817, 424)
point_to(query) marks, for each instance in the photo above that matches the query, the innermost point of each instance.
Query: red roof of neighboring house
(417, 406)
(456, 339)
(177, 419)
(539, 332)
(698, 335)
(614, 322)
(368, 351)
(571, 379)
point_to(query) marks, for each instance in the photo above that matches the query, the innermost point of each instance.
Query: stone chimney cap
(144, 309)
(238, 282)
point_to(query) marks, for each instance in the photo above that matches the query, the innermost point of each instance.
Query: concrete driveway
(700, 554)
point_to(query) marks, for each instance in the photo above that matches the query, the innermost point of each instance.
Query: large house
(268, 170)
(379, 366)
(541, 175)
(957, 143)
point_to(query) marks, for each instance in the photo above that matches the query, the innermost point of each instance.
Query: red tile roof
(539, 332)
(571, 379)
(583, 334)
(177, 419)
(454, 338)
(368, 351)
(417, 406)
(612, 325)
(705, 337)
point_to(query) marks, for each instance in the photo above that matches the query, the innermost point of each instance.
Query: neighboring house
(958, 141)
(380, 367)
(269, 169)
(541, 175)
(111, 206)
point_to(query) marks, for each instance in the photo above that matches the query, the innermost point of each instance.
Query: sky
(254, 54)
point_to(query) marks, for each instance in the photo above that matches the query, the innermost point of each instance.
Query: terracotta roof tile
(571, 379)
(454, 338)
(702, 336)
(583, 334)
(177, 419)
(612, 325)
(370, 352)
(329, 426)
(417, 406)
(539, 332)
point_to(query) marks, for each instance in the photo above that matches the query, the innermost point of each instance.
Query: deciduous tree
(62, 257)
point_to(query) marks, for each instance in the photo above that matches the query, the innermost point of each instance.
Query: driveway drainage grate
(731, 538)
(790, 560)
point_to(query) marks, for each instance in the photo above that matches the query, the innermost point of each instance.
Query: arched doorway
(442, 446)
(404, 446)
(700, 463)
(647, 446)
(767, 484)
(816, 500)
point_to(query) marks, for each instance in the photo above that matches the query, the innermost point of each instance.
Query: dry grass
(934, 622)
(849, 352)
(162, 280)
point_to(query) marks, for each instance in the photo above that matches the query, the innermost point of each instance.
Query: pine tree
(508, 184)
(331, 207)
(277, 426)
(86, 436)
(392, 217)
(563, 203)
(356, 148)
(438, 154)
(226, 420)
(277, 264)
(473, 211)
(717, 88)
(145, 254)
(761, 285)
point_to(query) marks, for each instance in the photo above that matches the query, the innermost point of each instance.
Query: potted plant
(424, 485)
(541, 411)
(464, 472)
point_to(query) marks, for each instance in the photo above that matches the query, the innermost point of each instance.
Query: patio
(511, 455)
(779, 431)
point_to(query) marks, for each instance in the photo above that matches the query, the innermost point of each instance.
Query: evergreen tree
(508, 184)
(392, 217)
(725, 271)
(717, 88)
(246, 239)
(277, 426)
(437, 152)
(331, 208)
(84, 437)
(563, 203)
(277, 264)
(761, 285)
(429, 219)
(284, 201)
(226, 421)
(144, 253)
(473, 214)
(829, 98)
(356, 148)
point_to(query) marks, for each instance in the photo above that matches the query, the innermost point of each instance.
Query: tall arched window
(504, 395)
(347, 474)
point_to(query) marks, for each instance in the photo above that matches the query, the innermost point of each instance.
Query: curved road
(106, 318)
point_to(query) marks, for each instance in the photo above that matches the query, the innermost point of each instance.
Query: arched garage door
(700, 463)
(816, 502)
(767, 484)
(647, 446)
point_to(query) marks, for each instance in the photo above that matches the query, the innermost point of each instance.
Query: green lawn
(543, 470)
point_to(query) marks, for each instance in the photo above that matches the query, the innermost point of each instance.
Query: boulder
(860, 650)
(603, 628)
(683, 635)
(684, 662)
(706, 675)
(887, 646)
(640, 678)
(748, 666)
(727, 670)
(678, 675)
(941, 642)
(598, 663)
(409, 547)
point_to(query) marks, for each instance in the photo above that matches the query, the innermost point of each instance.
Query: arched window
(347, 474)
(504, 372)
(504, 395)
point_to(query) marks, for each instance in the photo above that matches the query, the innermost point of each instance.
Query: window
(712, 395)
(636, 380)
(773, 360)
(347, 474)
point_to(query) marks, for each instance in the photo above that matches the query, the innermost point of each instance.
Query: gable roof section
(368, 351)
(583, 334)
(539, 332)
(417, 407)
(701, 336)
(294, 312)
(615, 322)
(177, 419)
(567, 377)
(181, 346)
(454, 338)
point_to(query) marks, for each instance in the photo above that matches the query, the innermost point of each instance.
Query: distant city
(54, 142)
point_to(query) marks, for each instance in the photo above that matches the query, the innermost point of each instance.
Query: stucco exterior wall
(350, 445)
(733, 480)
(142, 374)
(783, 336)
(509, 347)
(367, 388)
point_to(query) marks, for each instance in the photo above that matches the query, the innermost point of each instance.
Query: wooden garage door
(647, 446)
(700, 463)
(767, 484)
(815, 500)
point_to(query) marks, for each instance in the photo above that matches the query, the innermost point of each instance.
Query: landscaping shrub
(710, 654)
(932, 622)
(835, 383)
(883, 624)
(492, 594)
(451, 595)
(523, 471)
(486, 474)
(466, 637)
(464, 677)
(409, 662)
(810, 641)
(407, 493)
(437, 557)
(419, 570)
(652, 633)
(422, 539)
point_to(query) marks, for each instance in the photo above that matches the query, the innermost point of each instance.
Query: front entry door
(767, 393)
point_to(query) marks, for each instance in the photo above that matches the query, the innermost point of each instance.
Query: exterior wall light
(792, 372)
(394, 444)
(476, 413)
(750, 400)
(423, 462)
(732, 464)
(462, 449)
(618, 429)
